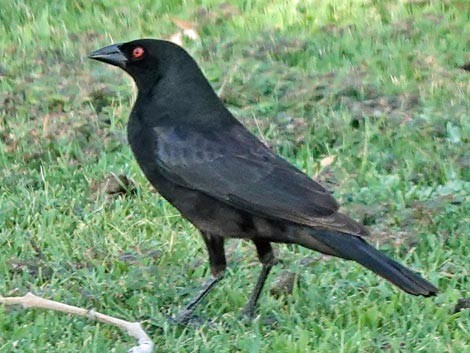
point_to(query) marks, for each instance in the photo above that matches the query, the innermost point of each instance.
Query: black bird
(224, 180)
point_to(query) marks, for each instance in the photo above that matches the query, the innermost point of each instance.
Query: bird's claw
(186, 318)
(248, 314)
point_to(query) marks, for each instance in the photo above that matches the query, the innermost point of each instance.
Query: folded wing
(236, 168)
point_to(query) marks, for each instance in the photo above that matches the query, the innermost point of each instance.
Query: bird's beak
(110, 55)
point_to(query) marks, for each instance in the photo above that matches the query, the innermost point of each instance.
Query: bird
(225, 181)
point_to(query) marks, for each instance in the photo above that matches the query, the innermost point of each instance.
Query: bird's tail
(355, 248)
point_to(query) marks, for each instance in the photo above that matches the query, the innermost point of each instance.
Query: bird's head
(167, 76)
(146, 60)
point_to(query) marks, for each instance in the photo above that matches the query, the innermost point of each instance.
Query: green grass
(374, 83)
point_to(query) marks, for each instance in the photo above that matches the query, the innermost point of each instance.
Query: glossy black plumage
(223, 179)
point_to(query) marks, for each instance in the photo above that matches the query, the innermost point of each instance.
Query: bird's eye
(138, 52)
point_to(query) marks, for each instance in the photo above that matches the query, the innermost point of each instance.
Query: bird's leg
(186, 315)
(218, 264)
(267, 259)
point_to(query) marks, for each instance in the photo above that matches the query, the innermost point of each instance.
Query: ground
(370, 97)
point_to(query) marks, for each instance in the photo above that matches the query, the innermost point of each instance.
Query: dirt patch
(396, 108)
(35, 267)
(113, 185)
(284, 284)
(216, 15)
(338, 30)
(462, 304)
(274, 46)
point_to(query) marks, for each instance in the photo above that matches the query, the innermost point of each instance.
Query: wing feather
(235, 167)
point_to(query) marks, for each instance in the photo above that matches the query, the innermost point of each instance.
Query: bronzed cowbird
(224, 180)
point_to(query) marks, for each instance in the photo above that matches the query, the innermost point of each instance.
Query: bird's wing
(236, 168)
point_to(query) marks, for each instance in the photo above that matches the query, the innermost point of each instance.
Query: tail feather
(355, 248)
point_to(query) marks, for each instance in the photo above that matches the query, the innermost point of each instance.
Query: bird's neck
(181, 99)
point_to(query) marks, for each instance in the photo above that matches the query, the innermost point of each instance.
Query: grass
(374, 83)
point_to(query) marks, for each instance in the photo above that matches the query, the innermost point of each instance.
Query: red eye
(138, 52)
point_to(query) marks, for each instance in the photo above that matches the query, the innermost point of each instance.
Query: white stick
(133, 328)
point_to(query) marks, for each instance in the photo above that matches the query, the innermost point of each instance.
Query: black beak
(110, 55)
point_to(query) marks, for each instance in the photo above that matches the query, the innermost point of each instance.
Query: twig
(133, 328)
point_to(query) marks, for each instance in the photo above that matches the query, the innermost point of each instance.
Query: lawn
(368, 96)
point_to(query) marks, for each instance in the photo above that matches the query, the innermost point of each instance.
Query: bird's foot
(187, 318)
(250, 314)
